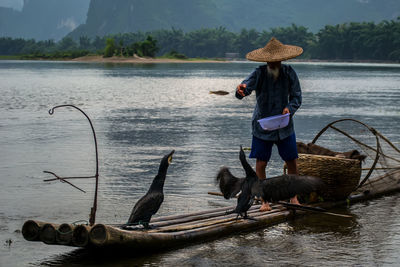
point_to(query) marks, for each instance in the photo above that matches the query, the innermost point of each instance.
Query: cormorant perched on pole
(149, 204)
(271, 189)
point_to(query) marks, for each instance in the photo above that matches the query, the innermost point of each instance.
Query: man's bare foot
(265, 206)
(294, 200)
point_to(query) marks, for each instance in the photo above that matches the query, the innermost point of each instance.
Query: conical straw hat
(274, 51)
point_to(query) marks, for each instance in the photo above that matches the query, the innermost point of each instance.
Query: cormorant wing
(146, 207)
(229, 184)
(287, 186)
(246, 166)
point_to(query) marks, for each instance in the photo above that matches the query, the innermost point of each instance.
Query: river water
(140, 113)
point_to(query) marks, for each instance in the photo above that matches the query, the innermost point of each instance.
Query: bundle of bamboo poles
(56, 234)
(167, 231)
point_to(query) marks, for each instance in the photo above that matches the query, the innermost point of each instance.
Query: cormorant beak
(170, 156)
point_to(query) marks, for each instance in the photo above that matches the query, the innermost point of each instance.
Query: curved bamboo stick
(372, 130)
(93, 210)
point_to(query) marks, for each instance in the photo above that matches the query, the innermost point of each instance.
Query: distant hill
(120, 16)
(43, 19)
(313, 14)
(53, 19)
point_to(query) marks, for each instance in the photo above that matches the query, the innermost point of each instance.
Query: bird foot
(245, 216)
(130, 226)
(137, 226)
(229, 212)
(146, 225)
(149, 227)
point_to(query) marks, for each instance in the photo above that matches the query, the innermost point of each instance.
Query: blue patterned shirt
(272, 97)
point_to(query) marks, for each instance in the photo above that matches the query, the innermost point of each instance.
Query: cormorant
(270, 190)
(149, 204)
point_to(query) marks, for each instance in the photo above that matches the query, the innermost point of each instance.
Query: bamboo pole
(99, 235)
(80, 235)
(31, 230)
(384, 183)
(262, 220)
(312, 209)
(175, 228)
(104, 235)
(64, 234)
(167, 220)
(48, 233)
(253, 214)
(197, 218)
(200, 218)
(173, 217)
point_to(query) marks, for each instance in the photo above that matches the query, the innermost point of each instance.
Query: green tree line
(146, 48)
(348, 41)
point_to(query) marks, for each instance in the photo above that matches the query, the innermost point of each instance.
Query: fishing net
(382, 156)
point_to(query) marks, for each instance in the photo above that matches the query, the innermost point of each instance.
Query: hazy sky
(16, 4)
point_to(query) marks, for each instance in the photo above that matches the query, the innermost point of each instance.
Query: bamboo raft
(177, 230)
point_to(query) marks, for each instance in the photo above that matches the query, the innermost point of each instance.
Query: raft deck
(170, 231)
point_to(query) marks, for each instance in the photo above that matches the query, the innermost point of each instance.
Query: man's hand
(285, 111)
(240, 89)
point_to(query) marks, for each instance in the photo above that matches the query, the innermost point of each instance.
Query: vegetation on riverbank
(8, 57)
(350, 41)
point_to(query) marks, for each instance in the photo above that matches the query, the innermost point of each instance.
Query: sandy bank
(139, 60)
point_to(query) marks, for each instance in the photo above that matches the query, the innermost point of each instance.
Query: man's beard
(273, 72)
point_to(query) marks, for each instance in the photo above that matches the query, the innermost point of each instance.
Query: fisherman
(278, 91)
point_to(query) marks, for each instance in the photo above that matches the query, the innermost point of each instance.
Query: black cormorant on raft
(149, 204)
(272, 189)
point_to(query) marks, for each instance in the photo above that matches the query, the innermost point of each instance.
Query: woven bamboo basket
(340, 175)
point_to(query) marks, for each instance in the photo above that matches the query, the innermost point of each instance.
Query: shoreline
(141, 60)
